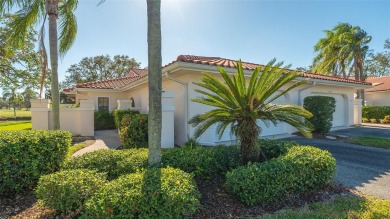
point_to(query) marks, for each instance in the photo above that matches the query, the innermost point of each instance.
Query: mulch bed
(216, 202)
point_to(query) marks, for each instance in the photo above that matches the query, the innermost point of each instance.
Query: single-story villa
(178, 78)
(380, 94)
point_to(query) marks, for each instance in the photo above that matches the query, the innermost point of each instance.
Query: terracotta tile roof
(384, 83)
(136, 74)
(223, 62)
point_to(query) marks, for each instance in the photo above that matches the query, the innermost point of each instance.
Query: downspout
(186, 103)
(303, 89)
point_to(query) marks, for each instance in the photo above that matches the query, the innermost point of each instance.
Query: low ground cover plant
(301, 169)
(27, 155)
(153, 193)
(66, 191)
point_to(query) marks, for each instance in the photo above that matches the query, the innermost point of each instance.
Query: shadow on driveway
(364, 168)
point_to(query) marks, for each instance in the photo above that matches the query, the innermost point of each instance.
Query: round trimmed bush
(274, 148)
(113, 162)
(134, 131)
(322, 108)
(154, 193)
(301, 169)
(66, 191)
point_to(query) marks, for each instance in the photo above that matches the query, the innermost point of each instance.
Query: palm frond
(68, 25)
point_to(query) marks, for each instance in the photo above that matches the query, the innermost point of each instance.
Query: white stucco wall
(377, 98)
(113, 97)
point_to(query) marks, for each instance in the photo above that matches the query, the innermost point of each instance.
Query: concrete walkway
(106, 139)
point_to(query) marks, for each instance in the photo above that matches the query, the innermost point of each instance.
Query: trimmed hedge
(104, 120)
(375, 112)
(154, 193)
(203, 162)
(274, 148)
(322, 108)
(113, 162)
(301, 169)
(134, 131)
(66, 191)
(119, 114)
(26, 155)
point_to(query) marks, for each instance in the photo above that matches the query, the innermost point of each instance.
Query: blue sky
(254, 31)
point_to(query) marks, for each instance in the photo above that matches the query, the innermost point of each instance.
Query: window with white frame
(103, 103)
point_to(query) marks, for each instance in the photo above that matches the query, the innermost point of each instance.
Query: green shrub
(373, 120)
(118, 115)
(66, 191)
(154, 193)
(274, 148)
(322, 108)
(386, 119)
(134, 131)
(365, 120)
(26, 155)
(104, 120)
(375, 112)
(301, 169)
(113, 162)
(203, 162)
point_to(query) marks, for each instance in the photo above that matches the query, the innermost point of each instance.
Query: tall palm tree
(239, 103)
(342, 51)
(154, 81)
(10, 95)
(34, 12)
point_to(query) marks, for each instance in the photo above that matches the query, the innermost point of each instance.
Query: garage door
(280, 128)
(340, 114)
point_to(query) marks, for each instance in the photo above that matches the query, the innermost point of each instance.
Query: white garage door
(339, 115)
(280, 128)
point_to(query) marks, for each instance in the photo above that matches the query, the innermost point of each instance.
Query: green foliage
(301, 169)
(373, 120)
(73, 149)
(274, 148)
(113, 162)
(154, 193)
(365, 120)
(375, 112)
(322, 108)
(103, 67)
(66, 191)
(238, 104)
(104, 120)
(203, 162)
(134, 131)
(119, 114)
(26, 155)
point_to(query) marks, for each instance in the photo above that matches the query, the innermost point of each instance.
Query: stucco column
(87, 122)
(168, 117)
(40, 114)
(357, 111)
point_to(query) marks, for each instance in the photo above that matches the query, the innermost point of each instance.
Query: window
(103, 103)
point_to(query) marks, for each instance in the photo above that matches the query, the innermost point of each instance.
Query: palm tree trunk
(154, 80)
(52, 11)
(248, 132)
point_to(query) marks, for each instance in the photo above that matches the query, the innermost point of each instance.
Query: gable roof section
(384, 84)
(136, 74)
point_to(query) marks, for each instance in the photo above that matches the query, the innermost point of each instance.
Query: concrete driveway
(365, 168)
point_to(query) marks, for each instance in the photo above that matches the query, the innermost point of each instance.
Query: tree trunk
(248, 132)
(154, 81)
(52, 11)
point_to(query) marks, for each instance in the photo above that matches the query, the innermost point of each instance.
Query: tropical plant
(32, 12)
(154, 81)
(10, 95)
(342, 52)
(240, 105)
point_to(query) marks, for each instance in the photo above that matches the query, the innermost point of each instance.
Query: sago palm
(239, 103)
(33, 12)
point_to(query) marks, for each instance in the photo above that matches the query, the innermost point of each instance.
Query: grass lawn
(15, 125)
(340, 207)
(377, 142)
(20, 114)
